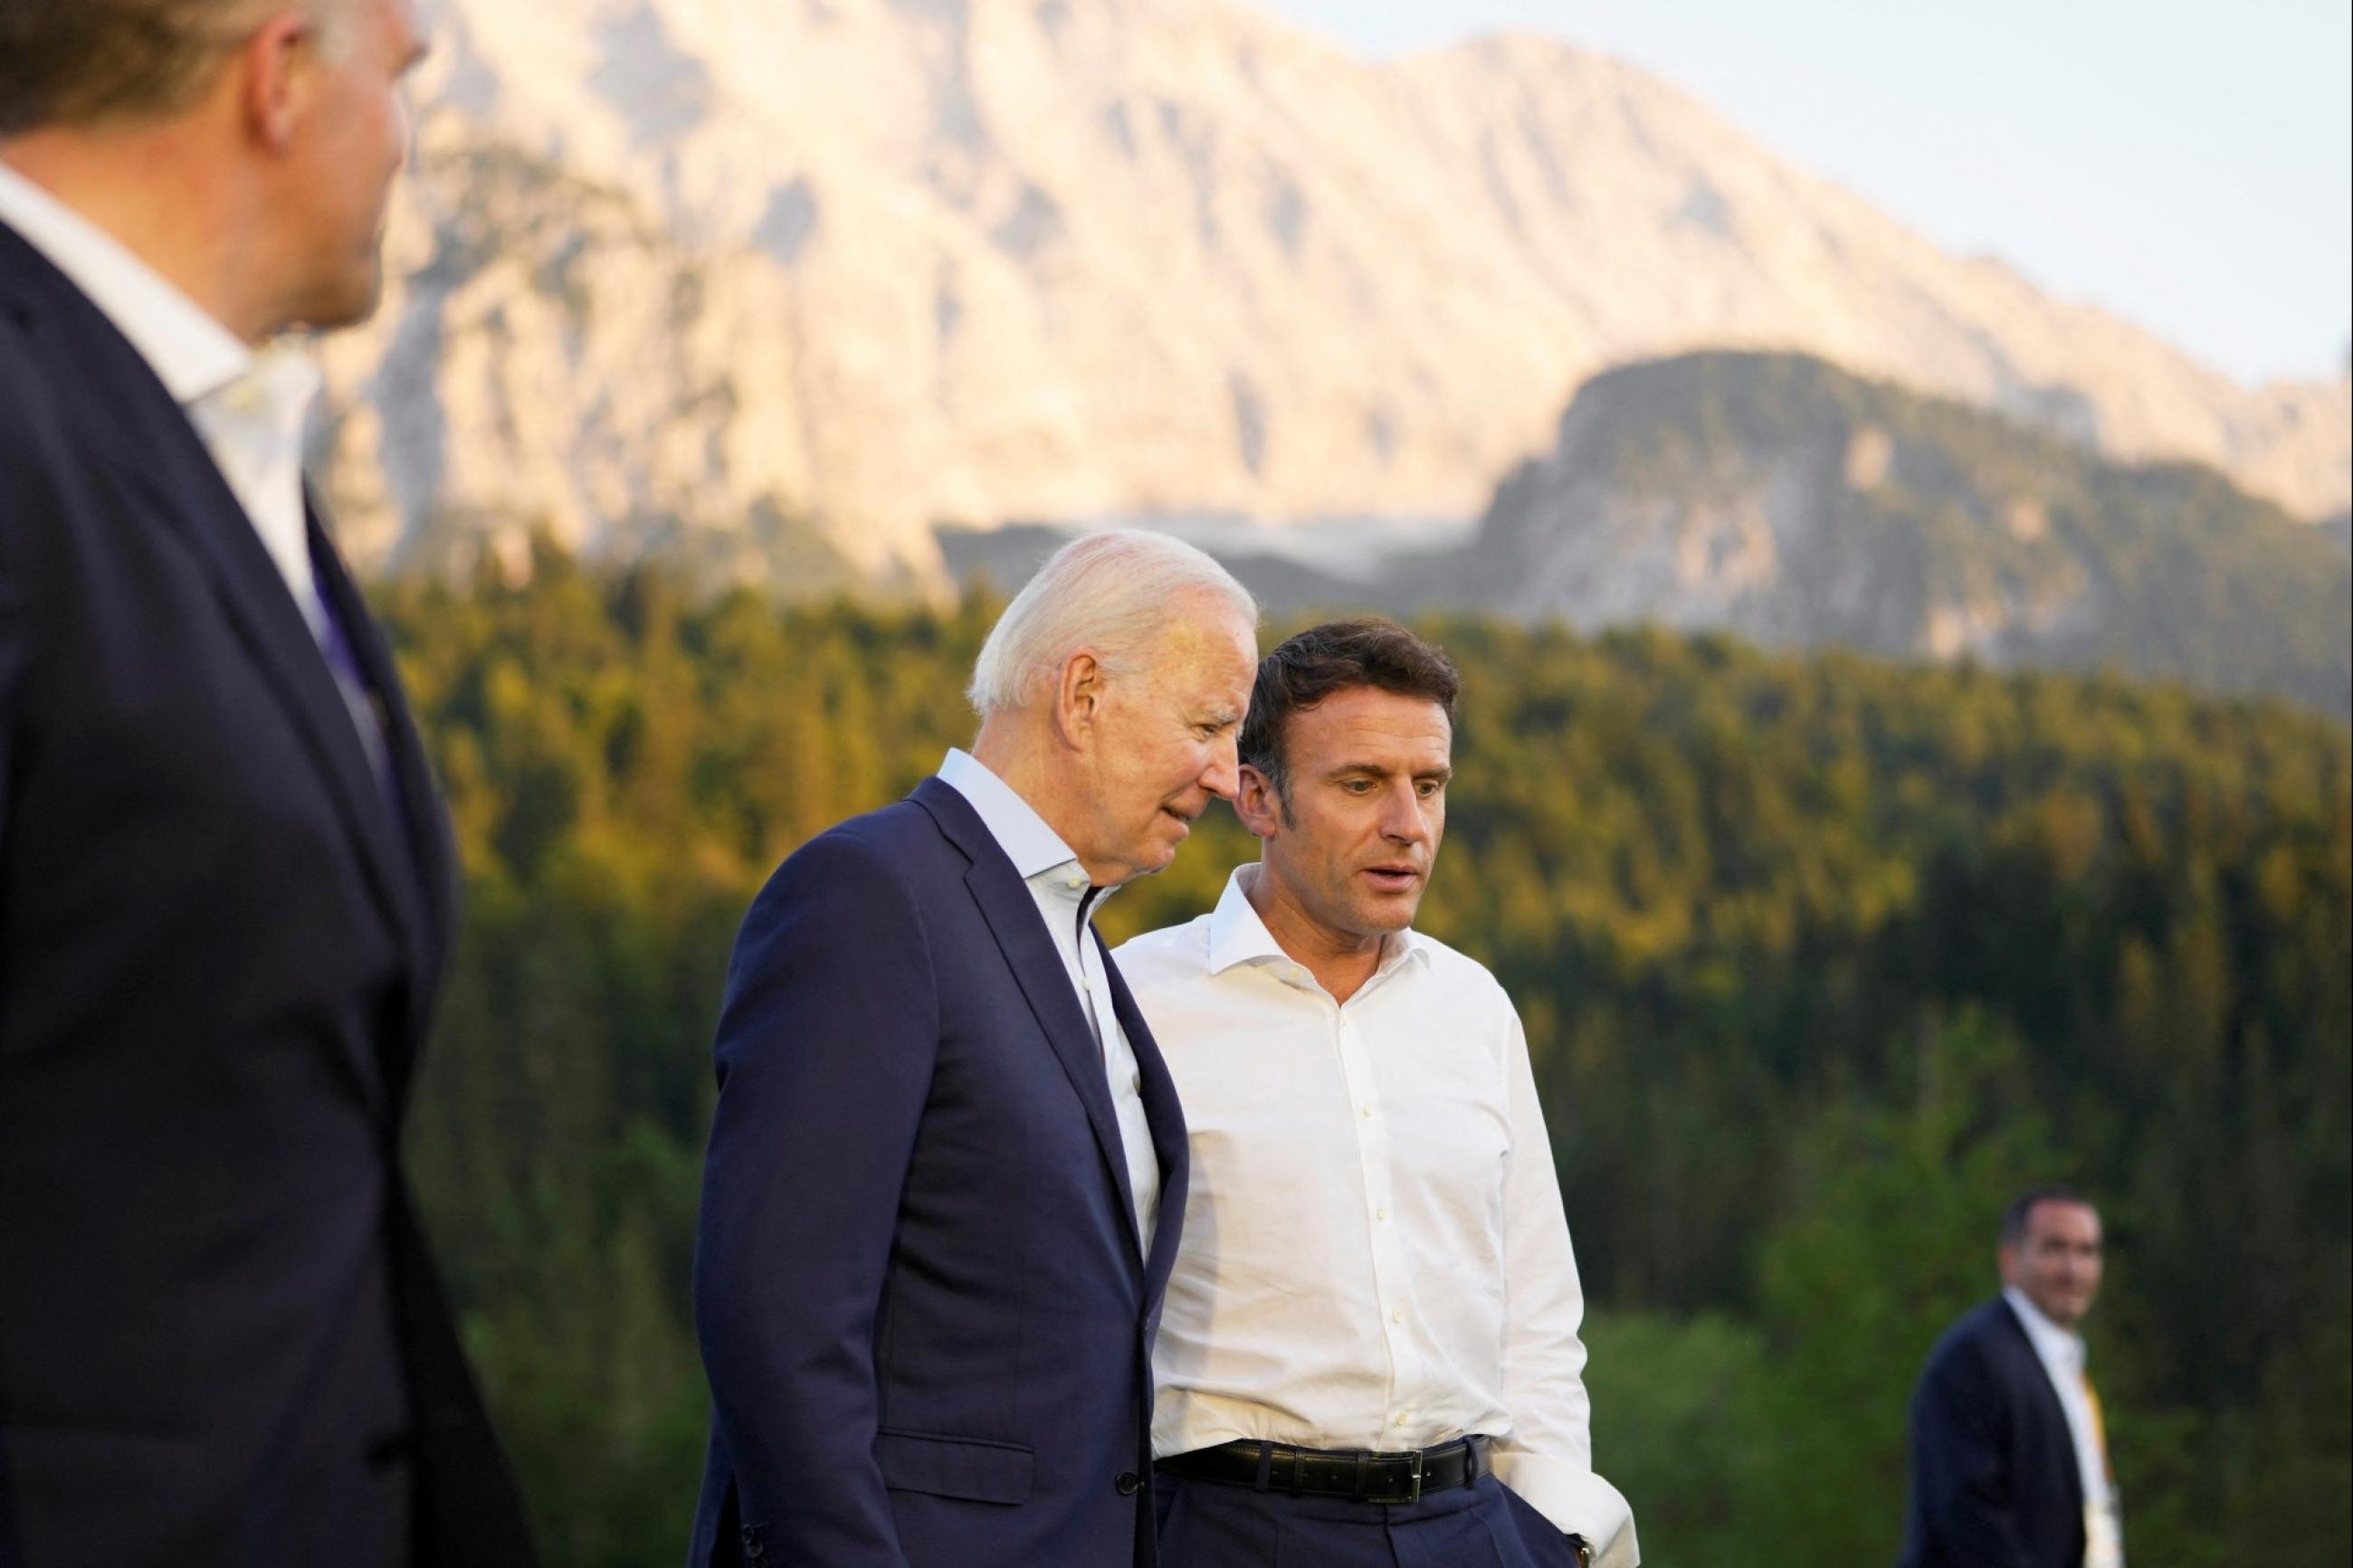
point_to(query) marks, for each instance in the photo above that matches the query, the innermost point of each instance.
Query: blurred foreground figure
(225, 879)
(2010, 1455)
(1369, 1357)
(947, 1167)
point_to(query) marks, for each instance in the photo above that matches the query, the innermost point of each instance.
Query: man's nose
(1223, 777)
(1402, 819)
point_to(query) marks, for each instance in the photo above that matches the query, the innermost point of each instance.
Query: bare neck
(1342, 962)
(146, 189)
(1025, 754)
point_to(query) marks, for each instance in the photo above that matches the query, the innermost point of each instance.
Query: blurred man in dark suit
(226, 882)
(2010, 1454)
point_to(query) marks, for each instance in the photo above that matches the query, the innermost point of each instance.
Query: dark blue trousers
(1214, 1525)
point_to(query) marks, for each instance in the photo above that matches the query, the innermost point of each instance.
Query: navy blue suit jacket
(221, 1337)
(917, 1284)
(1994, 1479)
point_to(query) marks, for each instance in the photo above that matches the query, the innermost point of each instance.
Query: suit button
(1128, 1483)
(753, 1547)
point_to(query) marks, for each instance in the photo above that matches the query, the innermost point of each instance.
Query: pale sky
(2190, 168)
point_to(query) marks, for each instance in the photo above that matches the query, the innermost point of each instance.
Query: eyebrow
(1442, 774)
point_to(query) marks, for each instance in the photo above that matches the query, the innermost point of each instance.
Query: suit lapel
(2045, 1398)
(1013, 919)
(145, 444)
(1165, 1114)
(429, 858)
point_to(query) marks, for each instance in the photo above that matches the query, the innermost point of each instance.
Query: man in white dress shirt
(1369, 1353)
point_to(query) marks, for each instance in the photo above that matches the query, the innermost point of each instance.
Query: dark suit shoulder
(898, 828)
(871, 873)
(1984, 1345)
(897, 843)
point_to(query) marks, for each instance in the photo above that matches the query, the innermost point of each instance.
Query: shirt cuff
(1577, 1502)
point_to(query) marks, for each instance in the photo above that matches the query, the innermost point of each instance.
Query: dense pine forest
(1820, 957)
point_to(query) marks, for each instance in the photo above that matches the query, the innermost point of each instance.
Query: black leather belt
(1361, 1475)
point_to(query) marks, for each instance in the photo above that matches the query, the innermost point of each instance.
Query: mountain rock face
(1782, 499)
(780, 284)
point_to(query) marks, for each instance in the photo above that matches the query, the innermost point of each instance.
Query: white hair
(1111, 592)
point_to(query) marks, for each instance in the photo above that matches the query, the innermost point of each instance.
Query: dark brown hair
(78, 62)
(1338, 655)
(2020, 1215)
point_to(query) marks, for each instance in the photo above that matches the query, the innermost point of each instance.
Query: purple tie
(367, 714)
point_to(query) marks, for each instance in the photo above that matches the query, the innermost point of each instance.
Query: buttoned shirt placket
(1392, 1278)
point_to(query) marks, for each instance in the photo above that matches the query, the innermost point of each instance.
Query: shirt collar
(2051, 1341)
(1237, 934)
(1013, 822)
(192, 355)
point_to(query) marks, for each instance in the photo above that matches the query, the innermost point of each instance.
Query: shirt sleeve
(1548, 1457)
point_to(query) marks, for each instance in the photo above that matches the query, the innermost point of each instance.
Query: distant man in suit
(1370, 1356)
(947, 1168)
(2009, 1458)
(225, 878)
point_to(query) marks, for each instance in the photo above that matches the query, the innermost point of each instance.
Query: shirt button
(1396, 1317)
(1367, 1110)
(1399, 1421)
(1381, 1214)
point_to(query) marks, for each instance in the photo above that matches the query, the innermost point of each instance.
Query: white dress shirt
(1375, 1253)
(1067, 902)
(2061, 1353)
(247, 408)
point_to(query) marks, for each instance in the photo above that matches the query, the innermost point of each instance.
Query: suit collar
(1165, 1114)
(2058, 1347)
(1027, 838)
(1012, 916)
(140, 442)
(192, 354)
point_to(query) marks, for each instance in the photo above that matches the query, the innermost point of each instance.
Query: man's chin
(343, 301)
(1386, 914)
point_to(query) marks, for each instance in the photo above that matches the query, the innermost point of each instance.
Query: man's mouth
(1392, 878)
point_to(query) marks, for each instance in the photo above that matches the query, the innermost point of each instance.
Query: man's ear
(1256, 802)
(276, 73)
(1078, 698)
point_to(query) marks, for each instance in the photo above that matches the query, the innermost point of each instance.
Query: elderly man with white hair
(947, 1165)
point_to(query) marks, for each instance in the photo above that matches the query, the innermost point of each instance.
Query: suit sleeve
(1958, 1470)
(26, 504)
(1548, 1457)
(826, 1045)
